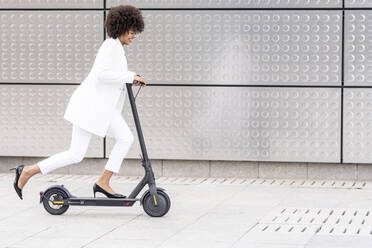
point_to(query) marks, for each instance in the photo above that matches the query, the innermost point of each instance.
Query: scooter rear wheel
(55, 195)
(162, 207)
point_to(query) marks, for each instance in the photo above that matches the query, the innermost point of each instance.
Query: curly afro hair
(123, 18)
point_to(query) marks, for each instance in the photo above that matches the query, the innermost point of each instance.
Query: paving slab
(205, 212)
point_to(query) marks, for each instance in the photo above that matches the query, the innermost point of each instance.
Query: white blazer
(93, 103)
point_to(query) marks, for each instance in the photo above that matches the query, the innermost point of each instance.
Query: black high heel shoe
(18, 170)
(97, 188)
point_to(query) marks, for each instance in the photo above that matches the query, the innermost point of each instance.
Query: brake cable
(141, 83)
(137, 92)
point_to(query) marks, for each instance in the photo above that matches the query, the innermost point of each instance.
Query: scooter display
(156, 203)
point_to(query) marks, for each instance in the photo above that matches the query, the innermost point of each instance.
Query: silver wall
(294, 77)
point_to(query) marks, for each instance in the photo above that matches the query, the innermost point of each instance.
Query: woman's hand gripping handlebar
(139, 81)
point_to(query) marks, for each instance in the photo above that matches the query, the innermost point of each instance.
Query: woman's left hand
(138, 80)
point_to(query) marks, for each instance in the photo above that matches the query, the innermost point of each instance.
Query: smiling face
(127, 38)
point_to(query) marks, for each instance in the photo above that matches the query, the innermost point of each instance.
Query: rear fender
(61, 187)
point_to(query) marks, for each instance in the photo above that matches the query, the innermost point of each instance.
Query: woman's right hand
(139, 79)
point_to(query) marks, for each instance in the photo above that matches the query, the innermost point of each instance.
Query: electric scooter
(156, 203)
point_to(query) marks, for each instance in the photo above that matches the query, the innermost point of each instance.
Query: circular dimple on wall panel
(45, 42)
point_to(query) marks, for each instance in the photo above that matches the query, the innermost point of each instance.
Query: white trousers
(80, 139)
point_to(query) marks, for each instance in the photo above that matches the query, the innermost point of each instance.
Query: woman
(95, 106)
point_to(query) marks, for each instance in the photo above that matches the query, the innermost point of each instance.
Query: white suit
(93, 103)
(95, 107)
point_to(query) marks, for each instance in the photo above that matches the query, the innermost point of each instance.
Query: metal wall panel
(32, 124)
(239, 47)
(358, 47)
(238, 123)
(358, 3)
(51, 3)
(228, 3)
(49, 46)
(270, 47)
(357, 126)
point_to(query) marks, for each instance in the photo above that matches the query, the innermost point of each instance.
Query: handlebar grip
(135, 82)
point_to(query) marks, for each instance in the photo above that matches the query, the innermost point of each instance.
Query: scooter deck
(97, 201)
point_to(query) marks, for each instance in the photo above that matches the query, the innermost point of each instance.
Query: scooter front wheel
(50, 201)
(157, 207)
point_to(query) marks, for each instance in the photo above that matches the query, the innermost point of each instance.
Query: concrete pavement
(205, 212)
